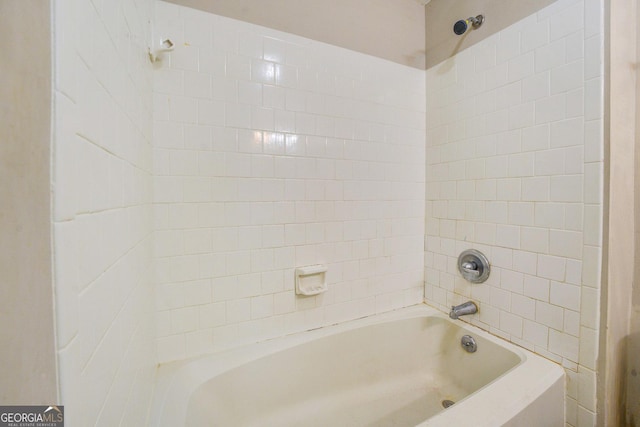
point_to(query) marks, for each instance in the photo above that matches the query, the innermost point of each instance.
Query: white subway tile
(524, 306)
(536, 189)
(593, 147)
(212, 315)
(551, 267)
(550, 109)
(593, 97)
(536, 87)
(565, 295)
(196, 189)
(521, 67)
(567, 188)
(262, 118)
(592, 225)
(511, 324)
(509, 95)
(567, 133)
(501, 299)
(574, 160)
(496, 167)
(185, 58)
(564, 345)
(593, 57)
(574, 272)
(197, 85)
(566, 21)
(197, 292)
(238, 263)
(565, 243)
(534, 36)
(549, 315)
(525, 262)
(550, 215)
(575, 103)
(575, 46)
(593, 183)
(550, 56)
(169, 81)
(567, 77)
(236, 116)
(250, 93)
(535, 333)
(211, 62)
(535, 239)
(197, 137)
(184, 320)
(572, 323)
(522, 116)
(512, 281)
(508, 236)
(250, 44)
(262, 72)
(198, 342)
(535, 138)
(588, 348)
(207, 215)
(274, 50)
(211, 113)
(286, 76)
(521, 165)
(591, 267)
(249, 238)
(521, 213)
(197, 241)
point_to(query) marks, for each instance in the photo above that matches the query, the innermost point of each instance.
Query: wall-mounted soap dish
(311, 280)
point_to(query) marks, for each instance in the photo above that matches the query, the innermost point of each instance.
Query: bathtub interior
(395, 373)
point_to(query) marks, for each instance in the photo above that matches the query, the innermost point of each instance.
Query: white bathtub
(393, 369)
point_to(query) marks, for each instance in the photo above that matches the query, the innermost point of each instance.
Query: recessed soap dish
(311, 280)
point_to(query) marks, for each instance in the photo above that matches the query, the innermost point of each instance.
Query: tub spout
(468, 307)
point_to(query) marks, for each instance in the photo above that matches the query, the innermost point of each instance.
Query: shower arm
(476, 21)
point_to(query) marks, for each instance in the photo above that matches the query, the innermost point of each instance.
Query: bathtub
(392, 369)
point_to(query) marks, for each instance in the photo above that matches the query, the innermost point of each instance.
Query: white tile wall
(514, 168)
(102, 219)
(270, 152)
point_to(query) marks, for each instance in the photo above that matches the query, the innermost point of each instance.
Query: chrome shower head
(462, 25)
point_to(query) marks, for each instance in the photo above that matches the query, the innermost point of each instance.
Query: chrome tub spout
(463, 309)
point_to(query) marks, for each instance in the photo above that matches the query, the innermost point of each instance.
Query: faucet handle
(473, 266)
(470, 268)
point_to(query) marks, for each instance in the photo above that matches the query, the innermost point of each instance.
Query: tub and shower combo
(411, 367)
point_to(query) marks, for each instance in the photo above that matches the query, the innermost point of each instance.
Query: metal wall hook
(156, 50)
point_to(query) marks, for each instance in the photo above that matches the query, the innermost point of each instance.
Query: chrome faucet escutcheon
(463, 309)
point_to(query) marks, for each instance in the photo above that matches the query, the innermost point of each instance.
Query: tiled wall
(102, 212)
(514, 168)
(271, 152)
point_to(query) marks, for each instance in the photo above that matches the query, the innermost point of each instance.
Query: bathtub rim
(176, 381)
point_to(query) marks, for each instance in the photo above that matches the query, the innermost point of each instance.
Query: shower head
(462, 25)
